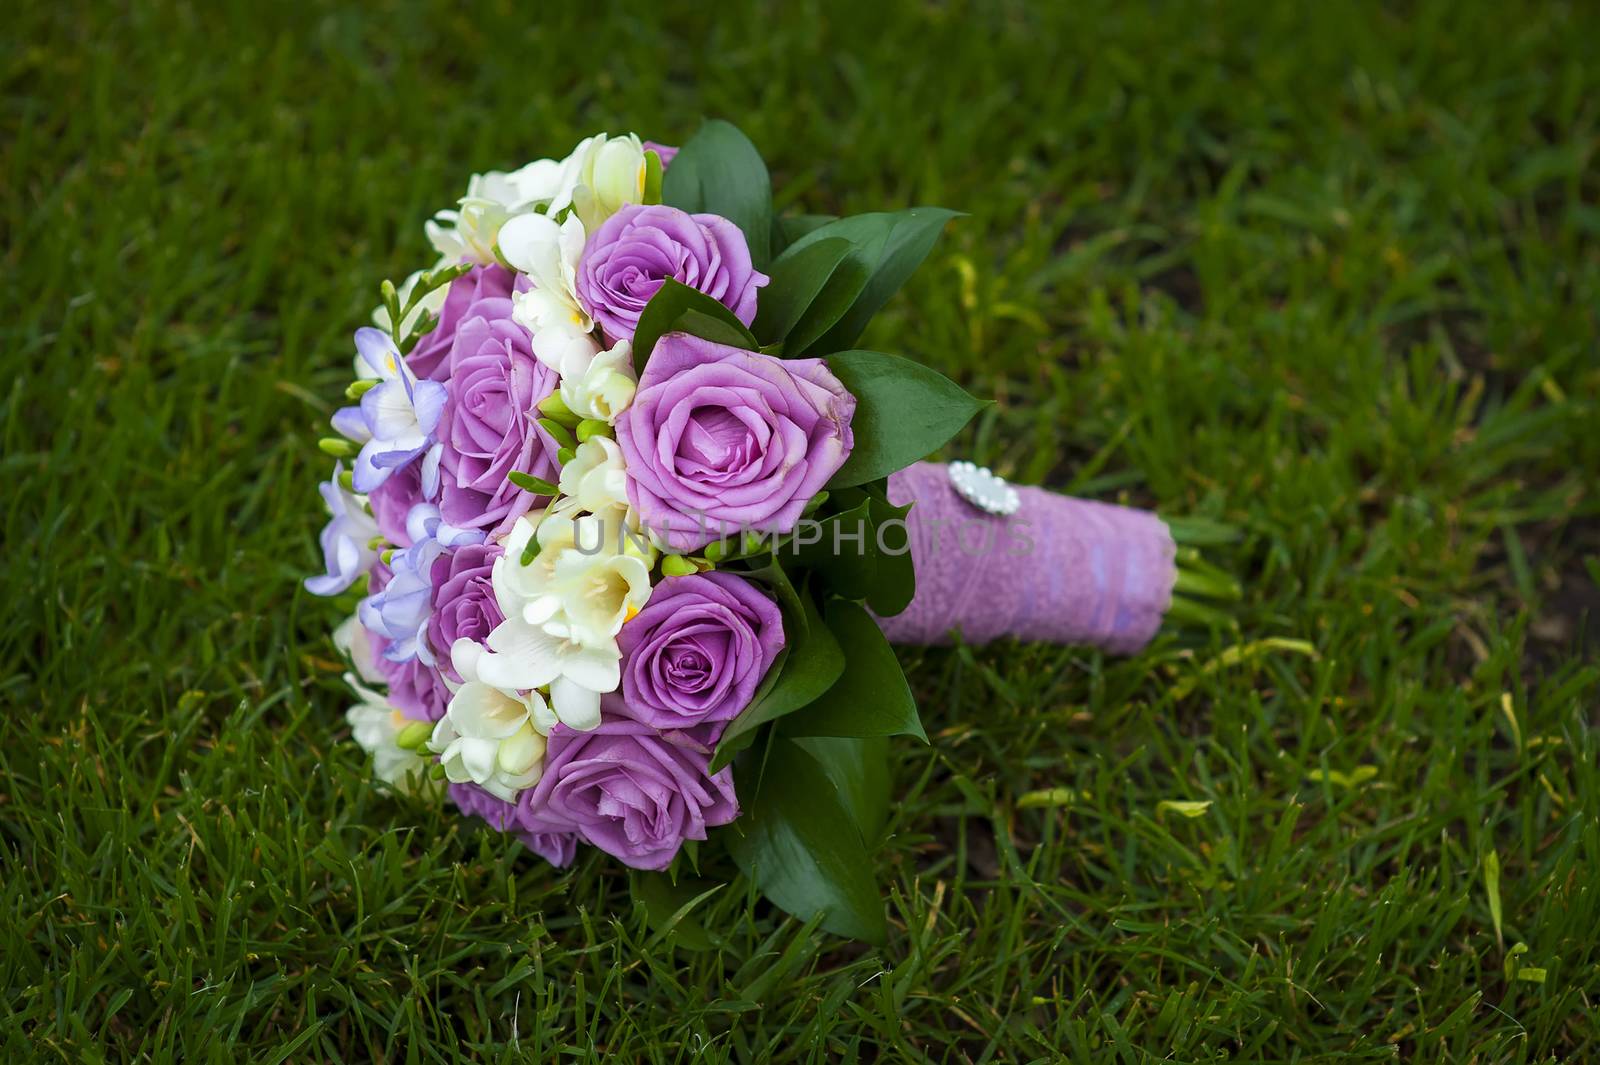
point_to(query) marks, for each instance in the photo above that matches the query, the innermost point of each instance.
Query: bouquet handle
(1057, 570)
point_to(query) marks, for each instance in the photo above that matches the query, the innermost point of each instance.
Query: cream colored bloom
(603, 386)
(563, 345)
(564, 609)
(548, 252)
(375, 724)
(588, 578)
(472, 229)
(490, 736)
(594, 478)
(600, 176)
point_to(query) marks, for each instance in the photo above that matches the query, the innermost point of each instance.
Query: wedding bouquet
(625, 518)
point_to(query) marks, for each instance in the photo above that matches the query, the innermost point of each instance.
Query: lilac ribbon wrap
(1059, 570)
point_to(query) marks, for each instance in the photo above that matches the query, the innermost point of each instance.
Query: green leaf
(871, 697)
(813, 663)
(1491, 888)
(1190, 808)
(529, 483)
(905, 237)
(677, 308)
(810, 290)
(798, 842)
(859, 769)
(1048, 797)
(719, 171)
(668, 907)
(787, 229)
(795, 612)
(895, 582)
(862, 552)
(904, 412)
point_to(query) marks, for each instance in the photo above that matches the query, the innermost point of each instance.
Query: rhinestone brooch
(984, 489)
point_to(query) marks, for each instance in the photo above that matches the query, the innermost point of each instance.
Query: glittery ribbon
(1059, 570)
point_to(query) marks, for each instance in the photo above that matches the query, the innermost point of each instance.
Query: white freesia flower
(610, 175)
(548, 252)
(563, 346)
(588, 578)
(490, 736)
(470, 231)
(375, 724)
(601, 175)
(564, 609)
(602, 387)
(541, 181)
(351, 640)
(595, 478)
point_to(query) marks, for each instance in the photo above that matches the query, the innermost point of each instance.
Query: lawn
(1326, 274)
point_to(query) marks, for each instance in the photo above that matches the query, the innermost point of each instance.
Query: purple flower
(431, 357)
(415, 687)
(464, 606)
(549, 838)
(694, 656)
(627, 259)
(489, 427)
(666, 151)
(396, 419)
(551, 842)
(397, 611)
(346, 540)
(629, 791)
(720, 440)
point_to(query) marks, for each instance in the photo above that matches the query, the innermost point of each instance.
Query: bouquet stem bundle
(1058, 570)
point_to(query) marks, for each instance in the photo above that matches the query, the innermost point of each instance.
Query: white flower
(470, 231)
(490, 736)
(588, 578)
(526, 655)
(564, 610)
(562, 345)
(594, 478)
(602, 387)
(548, 252)
(375, 724)
(352, 642)
(600, 176)
(539, 182)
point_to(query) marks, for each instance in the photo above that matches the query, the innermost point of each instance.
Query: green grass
(1327, 274)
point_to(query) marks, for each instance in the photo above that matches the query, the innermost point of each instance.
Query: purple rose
(637, 248)
(694, 656)
(552, 843)
(666, 151)
(464, 607)
(720, 440)
(551, 840)
(415, 689)
(489, 425)
(629, 791)
(431, 357)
